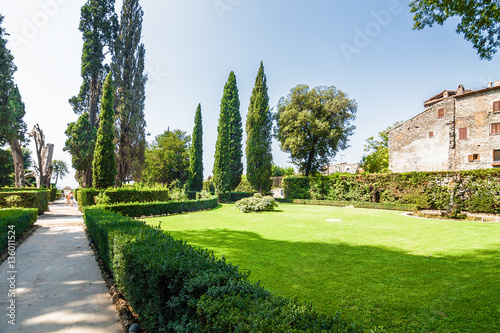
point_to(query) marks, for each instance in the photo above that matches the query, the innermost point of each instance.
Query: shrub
(174, 287)
(18, 219)
(86, 197)
(13, 201)
(28, 199)
(102, 199)
(256, 203)
(209, 186)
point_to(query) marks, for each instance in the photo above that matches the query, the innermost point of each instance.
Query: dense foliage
(479, 21)
(175, 287)
(313, 125)
(377, 160)
(473, 191)
(259, 133)
(26, 198)
(104, 163)
(196, 154)
(19, 219)
(231, 102)
(130, 84)
(167, 158)
(59, 170)
(86, 197)
(257, 203)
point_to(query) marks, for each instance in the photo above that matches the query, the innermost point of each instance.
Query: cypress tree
(222, 162)
(258, 129)
(231, 102)
(196, 154)
(103, 164)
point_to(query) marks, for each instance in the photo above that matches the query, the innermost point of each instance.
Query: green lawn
(377, 267)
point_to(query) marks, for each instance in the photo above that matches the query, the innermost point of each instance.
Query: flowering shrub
(257, 203)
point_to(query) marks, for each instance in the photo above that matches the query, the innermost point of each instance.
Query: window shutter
(441, 113)
(462, 133)
(431, 134)
(495, 128)
(471, 158)
(496, 106)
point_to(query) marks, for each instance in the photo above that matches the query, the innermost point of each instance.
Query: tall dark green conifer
(231, 102)
(130, 83)
(222, 163)
(258, 129)
(196, 154)
(103, 164)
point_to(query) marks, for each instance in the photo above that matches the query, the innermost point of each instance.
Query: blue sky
(364, 48)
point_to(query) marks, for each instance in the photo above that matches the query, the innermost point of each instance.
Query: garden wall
(474, 191)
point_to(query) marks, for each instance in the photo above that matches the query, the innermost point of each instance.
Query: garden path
(59, 287)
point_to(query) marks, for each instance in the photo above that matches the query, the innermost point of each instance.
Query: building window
(496, 106)
(462, 133)
(431, 134)
(441, 113)
(495, 128)
(496, 156)
(473, 157)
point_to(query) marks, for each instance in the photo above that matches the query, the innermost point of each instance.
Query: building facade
(341, 168)
(458, 130)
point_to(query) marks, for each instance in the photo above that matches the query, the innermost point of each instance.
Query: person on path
(71, 199)
(68, 201)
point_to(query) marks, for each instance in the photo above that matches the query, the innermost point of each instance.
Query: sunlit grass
(377, 267)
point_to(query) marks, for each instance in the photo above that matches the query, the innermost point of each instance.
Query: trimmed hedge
(86, 197)
(20, 218)
(53, 194)
(474, 191)
(375, 205)
(38, 199)
(138, 209)
(174, 287)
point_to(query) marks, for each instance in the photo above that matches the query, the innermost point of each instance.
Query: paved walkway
(59, 287)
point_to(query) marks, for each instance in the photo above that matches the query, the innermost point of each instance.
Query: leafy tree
(59, 170)
(313, 125)
(130, 82)
(231, 102)
(377, 161)
(222, 161)
(167, 158)
(278, 171)
(104, 164)
(6, 168)
(479, 20)
(259, 134)
(80, 144)
(196, 154)
(98, 24)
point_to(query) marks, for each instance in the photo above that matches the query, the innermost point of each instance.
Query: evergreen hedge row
(374, 205)
(174, 287)
(34, 198)
(474, 191)
(138, 209)
(20, 218)
(86, 197)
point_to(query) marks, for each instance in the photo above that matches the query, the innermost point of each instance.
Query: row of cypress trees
(228, 165)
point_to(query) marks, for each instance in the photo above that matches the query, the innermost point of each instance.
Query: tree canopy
(59, 170)
(196, 154)
(313, 125)
(377, 160)
(167, 158)
(479, 20)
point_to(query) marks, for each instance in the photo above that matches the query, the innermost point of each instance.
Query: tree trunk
(309, 161)
(17, 157)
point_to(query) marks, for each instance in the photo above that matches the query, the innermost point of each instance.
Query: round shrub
(257, 203)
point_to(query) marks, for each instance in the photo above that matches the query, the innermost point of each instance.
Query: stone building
(341, 168)
(458, 130)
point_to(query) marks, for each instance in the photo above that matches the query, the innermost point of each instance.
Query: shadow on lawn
(378, 286)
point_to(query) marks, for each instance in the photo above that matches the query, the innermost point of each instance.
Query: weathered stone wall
(412, 148)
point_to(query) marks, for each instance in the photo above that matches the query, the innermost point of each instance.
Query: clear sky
(365, 48)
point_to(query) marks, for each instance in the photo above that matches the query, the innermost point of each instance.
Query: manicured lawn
(377, 267)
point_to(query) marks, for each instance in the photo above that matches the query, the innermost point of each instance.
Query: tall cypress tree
(196, 154)
(98, 24)
(103, 164)
(130, 83)
(231, 102)
(222, 163)
(258, 129)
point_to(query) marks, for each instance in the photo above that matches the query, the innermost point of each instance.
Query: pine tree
(222, 163)
(196, 154)
(103, 164)
(258, 129)
(232, 104)
(98, 24)
(130, 83)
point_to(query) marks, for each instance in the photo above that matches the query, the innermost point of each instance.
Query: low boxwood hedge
(375, 205)
(86, 197)
(34, 198)
(174, 287)
(20, 218)
(139, 209)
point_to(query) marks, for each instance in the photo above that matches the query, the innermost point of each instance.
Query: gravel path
(59, 287)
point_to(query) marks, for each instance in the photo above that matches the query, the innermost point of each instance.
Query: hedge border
(372, 205)
(21, 218)
(38, 199)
